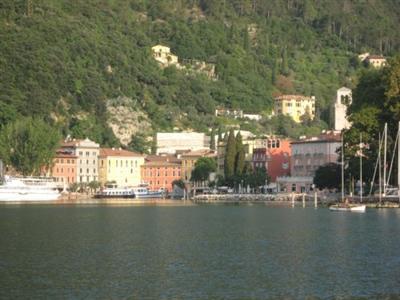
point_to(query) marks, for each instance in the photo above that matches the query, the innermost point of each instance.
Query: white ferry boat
(112, 191)
(20, 189)
(142, 192)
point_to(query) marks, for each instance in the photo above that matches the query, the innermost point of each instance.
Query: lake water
(204, 252)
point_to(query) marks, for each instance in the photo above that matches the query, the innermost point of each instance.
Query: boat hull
(149, 195)
(357, 208)
(26, 197)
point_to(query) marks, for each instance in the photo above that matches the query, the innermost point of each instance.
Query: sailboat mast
(398, 161)
(384, 161)
(380, 171)
(342, 169)
(361, 181)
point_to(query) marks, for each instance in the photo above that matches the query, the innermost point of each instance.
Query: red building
(159, 171)
(64, 169)
(275, 157)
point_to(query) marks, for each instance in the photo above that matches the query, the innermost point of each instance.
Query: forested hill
(64, 59)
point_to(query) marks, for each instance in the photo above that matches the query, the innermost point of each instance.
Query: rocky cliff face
(126, 119)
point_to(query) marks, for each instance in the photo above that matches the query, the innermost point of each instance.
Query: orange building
(159, 171)
(275, 157)
(64, 169)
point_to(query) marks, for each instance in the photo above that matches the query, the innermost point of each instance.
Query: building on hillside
(343, 100)
(295, 106)
(307, 156)
(173, 142)
(230, 113)
(376, 61)
(252, 117)
(87, 153)
(63, 169)
(120, 166)
(162, 54)
(189, 160)
(160, 171)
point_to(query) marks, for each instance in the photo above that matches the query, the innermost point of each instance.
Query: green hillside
(64, 60)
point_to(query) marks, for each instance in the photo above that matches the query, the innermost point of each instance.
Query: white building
(253, 117)
(87, 153)
(172, 142)
(162, 54)
(343, 100)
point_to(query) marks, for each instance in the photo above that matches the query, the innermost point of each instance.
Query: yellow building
(120, 166)
(189, 160)
(295, 106)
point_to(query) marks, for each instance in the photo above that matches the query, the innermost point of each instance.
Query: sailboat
(345, 205)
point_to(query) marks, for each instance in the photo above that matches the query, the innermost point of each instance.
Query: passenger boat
(112, 191)
(142, 192)
(21, 189)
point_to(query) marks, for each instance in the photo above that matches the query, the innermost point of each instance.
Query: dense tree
(67, 73)
(240, 155)
(230, 155)
(328, 176)
(203, 167)
(28, 145)
(140, 143)
(375, 102)
(212, 139)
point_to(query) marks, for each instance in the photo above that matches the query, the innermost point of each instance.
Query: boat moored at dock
(348, 207)
(21, 189)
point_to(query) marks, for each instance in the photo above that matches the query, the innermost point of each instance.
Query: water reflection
(197, 252)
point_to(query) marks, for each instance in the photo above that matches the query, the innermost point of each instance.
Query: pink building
(275, 157)
(64, 169)
(307, 156)
(159, 171)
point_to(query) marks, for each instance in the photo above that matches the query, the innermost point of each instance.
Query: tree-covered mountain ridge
(70, 62)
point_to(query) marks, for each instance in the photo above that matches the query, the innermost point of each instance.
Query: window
(80, 153)
(80, 171)
(87, 153)
(135, 163)
(87, 179)
(62, 161)
(94, 161)
(94, 171)
(87, 171)
(87, 161)
(94, 153)
(126, 163)
(62, 170)
(67, 161)
(102, 163)
(131, 171)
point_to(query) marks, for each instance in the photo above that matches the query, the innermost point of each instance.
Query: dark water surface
(214, 252)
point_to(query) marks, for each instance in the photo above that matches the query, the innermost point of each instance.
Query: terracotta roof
(118, 152)
(163, 163)
(295, 97)
(205, 152)
(162, 158)
(65, 155)
(375, 57)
